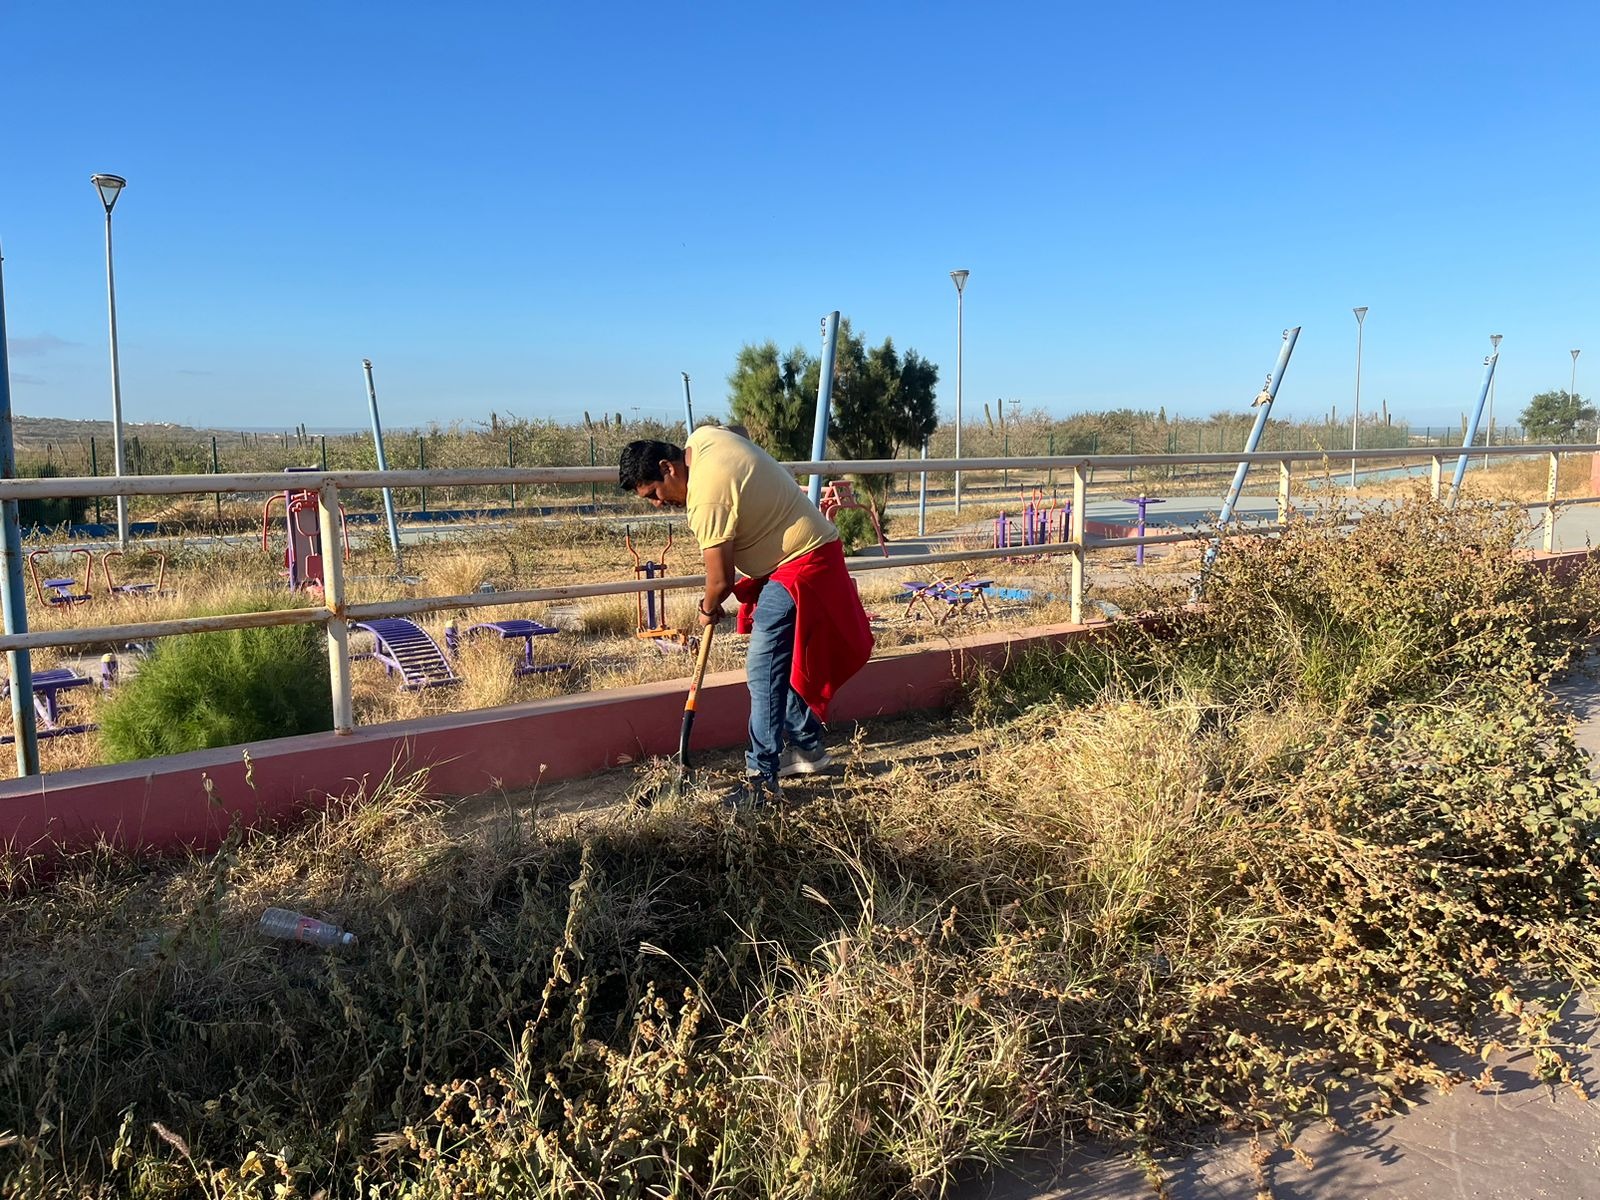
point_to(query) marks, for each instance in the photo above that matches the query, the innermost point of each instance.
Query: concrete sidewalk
(1524, 1140)
(1520, 1141)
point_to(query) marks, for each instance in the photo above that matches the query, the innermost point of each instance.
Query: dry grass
(1169, 883)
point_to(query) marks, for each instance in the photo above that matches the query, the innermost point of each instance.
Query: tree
(1557, 416)
(882, 403)
(770, 396)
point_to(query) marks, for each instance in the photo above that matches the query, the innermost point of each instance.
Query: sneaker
(796, 761)
(754, 791)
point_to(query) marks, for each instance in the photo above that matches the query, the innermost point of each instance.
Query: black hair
(641, 463)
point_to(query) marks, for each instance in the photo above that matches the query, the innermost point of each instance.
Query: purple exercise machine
(508, 629)
(1141, 502)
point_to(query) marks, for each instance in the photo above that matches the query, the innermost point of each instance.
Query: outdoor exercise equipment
(508, 629)
(652, 604)
(113, 588)
(302, 553)
(1038, 525)
(839, 494)
(403, 646)
(59, 591)
(47, 703)
(957, 595)
(1142, 502)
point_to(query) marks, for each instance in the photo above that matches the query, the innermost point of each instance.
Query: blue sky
(539, 209)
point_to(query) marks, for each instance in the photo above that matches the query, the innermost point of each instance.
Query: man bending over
(810, 632)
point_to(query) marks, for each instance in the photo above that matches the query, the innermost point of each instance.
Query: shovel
(684, 772)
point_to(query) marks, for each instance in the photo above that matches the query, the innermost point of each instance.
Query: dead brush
(461, 573)
(610, 616)
(1332, 824)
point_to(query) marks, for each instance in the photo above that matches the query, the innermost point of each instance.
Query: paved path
(1523, 1141)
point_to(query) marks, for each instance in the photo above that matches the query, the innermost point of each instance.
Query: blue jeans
(777, 713)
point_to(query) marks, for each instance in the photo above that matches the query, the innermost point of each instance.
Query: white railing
(336, 613)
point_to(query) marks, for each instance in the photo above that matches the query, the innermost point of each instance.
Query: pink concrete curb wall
(164, 803)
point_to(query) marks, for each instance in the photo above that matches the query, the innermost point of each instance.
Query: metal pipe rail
(276, 481)
(336, 613)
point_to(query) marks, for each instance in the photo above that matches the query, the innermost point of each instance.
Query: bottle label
(305, 929)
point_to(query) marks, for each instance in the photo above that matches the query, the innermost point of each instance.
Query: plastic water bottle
(291, 926)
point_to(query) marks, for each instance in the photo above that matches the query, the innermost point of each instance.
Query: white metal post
(1355, 421)
(1284, 479)
(959, 278)
(1573, 390)
(1550, 503)
(1438, 475)
(110, 187)
(922, 496)
(333, 597)
(1080, 495)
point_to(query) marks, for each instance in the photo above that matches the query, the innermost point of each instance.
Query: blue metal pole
(1263, 406)
(14, 599)
(819, 433)
(1472, 429)
(1263, 409)
(383, 464)
(688, 407)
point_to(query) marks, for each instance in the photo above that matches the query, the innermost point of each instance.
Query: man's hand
(708, 619)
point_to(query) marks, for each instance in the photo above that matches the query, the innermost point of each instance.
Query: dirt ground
(936, 739)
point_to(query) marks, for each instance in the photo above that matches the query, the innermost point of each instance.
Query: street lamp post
(1355, 421)
(1494, 343)
(110, 187)
(959, 278)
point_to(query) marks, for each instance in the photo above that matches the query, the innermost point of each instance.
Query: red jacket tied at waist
(832, 640)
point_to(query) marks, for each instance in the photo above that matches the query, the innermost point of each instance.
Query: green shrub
(855, 529)
(221, 689)
(53, 510)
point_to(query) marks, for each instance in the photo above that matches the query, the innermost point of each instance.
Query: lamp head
(1494, 340)
(1361, 314)
(960, 279)
(109, 187)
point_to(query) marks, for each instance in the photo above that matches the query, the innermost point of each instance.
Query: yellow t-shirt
(739, 493)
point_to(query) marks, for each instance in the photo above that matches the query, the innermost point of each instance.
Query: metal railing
(336, 613)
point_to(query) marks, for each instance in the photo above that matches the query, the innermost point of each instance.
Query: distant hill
(35, 433)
